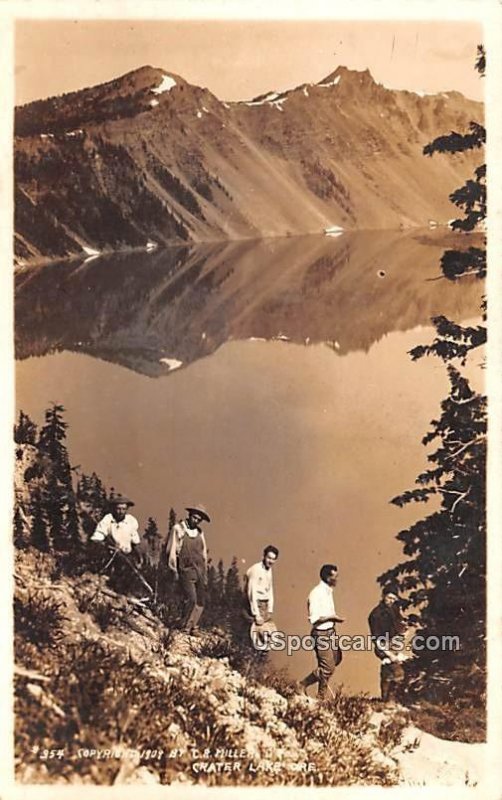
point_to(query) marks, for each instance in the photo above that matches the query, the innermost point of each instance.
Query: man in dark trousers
(322, 615)
(387, 627)
(187, 558)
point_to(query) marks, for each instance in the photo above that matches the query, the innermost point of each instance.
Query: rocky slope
(149, 159)
(105, 694)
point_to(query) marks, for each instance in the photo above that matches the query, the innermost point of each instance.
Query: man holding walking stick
(118, 530)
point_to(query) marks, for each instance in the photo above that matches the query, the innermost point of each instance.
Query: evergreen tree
(152, 538)
(58, 495)
(151, 533)
(233, 590)
(39, 529)
(211, 583)
(25, 431)
(171, 520)
(92, 500)
(220, 581)
(444, 574)
(233, 594)
(52, 441)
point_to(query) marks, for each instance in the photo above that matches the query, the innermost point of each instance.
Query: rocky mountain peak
(150, 78)
(345, 75)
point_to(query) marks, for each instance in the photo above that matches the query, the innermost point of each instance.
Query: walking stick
(137, 572)
(115, 551)
(108, 562)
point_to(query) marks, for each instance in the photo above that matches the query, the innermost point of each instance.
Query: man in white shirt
(259, 586)
(118, 528)
(187, 558)
(323, 616)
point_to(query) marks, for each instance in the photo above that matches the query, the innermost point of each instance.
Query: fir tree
(233, 594)
(444, 574)
(152, 538)
(58, 496)
(52, 441)
(39, 531)
(171, 520)
(233, 590)
(220, 581)
(25, 431)
(211, 582)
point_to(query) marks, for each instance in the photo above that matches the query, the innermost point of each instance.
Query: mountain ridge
(149, 159)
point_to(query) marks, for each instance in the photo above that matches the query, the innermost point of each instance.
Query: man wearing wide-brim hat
(187, 558)
(118, 528)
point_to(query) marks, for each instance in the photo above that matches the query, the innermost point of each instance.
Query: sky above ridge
(239, 59)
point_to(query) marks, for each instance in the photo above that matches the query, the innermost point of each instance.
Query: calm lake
(268, 380)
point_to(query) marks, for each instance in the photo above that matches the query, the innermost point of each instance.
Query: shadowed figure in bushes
(187, 558)
(387, 627)
(322, 616)
(259, 597)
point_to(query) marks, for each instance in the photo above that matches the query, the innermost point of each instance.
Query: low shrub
(39, 619)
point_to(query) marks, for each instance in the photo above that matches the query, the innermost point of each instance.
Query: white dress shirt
(259, 586)
(178, 532)
(124, 533)
(321, 604)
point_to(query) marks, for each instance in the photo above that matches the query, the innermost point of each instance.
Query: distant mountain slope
(148, 159)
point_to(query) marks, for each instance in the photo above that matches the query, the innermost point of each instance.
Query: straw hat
(199, 509)
(119, 499)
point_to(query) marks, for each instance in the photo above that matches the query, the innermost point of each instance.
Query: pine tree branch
(465, 447)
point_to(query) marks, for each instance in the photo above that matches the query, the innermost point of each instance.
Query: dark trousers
(194, 590)
(328, 657)
(391, 677)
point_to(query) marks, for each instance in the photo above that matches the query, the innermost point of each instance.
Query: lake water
(268, 380)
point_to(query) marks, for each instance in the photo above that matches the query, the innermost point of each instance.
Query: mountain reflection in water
(153, 312)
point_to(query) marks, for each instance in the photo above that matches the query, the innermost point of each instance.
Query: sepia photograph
(249, 434)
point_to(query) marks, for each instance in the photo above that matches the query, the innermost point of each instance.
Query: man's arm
(252, 585)
(173, 548)
(271, 597)
(135, 538)
(102, 530)
(204, 553)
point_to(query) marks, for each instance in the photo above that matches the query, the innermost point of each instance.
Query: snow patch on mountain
(154, 103)
(171, 363)
(165, 86)
(268, 98)
(331, 83)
